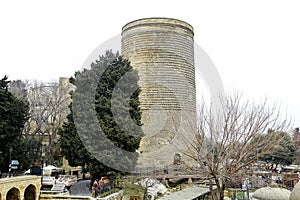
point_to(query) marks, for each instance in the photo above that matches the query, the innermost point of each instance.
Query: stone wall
(66, 196)
(162, 51)
(19, 188)
(115, 196)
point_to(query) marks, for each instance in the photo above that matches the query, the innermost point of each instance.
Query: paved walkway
(186, 194)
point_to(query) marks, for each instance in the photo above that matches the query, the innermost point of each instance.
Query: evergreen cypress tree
(106, 72)
(13, 115)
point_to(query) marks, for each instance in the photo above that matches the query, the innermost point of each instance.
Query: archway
(13, 194)
(30, 192)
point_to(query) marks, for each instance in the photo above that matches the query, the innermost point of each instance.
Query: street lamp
(10, 150)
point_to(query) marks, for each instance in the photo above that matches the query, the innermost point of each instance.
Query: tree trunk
(211, 189)
(220, 190)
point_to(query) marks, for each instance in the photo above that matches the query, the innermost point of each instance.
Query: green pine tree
(13, 115)
(120, 132)
(282, 153)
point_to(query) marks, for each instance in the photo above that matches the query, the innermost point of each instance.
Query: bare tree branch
(234, 137)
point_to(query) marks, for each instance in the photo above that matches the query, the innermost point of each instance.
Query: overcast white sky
(255, 44)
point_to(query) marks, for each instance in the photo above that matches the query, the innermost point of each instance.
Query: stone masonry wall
(162, 50)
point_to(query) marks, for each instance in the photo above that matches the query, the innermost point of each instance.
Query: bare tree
(48, 110)
(233, 137)
(20, 88)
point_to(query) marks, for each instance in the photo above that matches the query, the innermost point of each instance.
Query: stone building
(162, 51)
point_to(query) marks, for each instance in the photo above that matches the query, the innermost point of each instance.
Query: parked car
(35, 170)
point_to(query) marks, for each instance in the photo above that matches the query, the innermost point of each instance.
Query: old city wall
(20, 188)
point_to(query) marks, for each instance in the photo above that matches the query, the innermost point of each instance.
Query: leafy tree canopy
(283, 153)
(13, 115)
(108, 72)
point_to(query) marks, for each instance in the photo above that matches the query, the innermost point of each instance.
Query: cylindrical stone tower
(162, 51)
